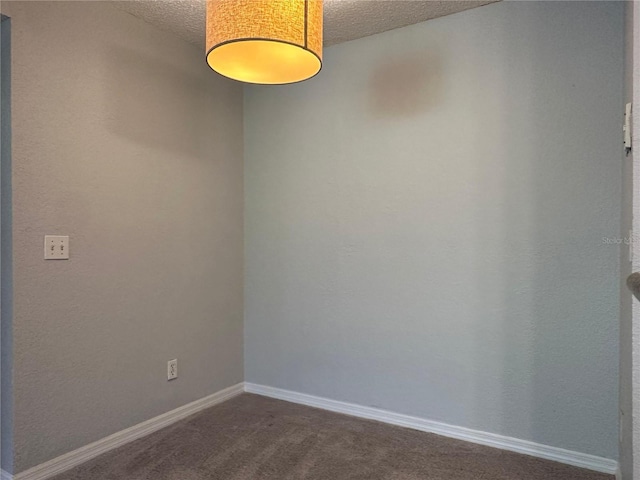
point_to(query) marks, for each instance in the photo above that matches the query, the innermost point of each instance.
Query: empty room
(319, 240)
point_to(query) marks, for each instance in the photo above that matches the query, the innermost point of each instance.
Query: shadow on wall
(139, 110)
(406, 86)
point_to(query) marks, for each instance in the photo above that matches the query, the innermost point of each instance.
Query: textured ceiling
(343, 19)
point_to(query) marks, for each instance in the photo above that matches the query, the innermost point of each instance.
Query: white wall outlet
(172, 369)
(56, 247)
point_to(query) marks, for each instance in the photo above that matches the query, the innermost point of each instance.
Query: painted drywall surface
(636, 237)
(126, 141)
(6, 295)
(425, 223)
(626, 298)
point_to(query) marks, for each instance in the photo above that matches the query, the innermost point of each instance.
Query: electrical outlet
(172, 369)
(56, 247)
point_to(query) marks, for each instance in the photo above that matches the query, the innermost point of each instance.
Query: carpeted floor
(252, 437)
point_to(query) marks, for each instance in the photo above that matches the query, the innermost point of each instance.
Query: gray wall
(424, 223)
(6, 283)
(126, 141)
(636, 228)
(626, 299)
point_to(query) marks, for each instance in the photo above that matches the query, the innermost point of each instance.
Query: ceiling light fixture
(265, 41)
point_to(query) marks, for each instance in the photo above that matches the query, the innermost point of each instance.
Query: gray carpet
(252, 437)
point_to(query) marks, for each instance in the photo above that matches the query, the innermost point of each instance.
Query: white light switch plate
(56, 247)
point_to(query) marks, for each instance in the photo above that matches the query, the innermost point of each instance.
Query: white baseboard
(88, 452)
(83, 454)
(577, 459)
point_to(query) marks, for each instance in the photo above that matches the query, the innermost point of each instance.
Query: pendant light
(265, 41)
